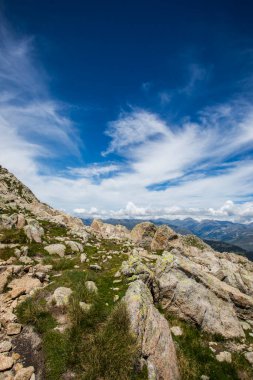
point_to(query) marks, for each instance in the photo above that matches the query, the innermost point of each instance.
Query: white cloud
(133, 129)
(229, 211)
(32, 123)
(95, 170)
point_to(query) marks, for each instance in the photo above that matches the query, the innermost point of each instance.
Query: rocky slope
(104, 302)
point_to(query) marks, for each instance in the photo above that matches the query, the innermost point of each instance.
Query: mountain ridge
(231, 240)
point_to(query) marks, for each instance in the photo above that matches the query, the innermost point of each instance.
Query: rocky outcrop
(16, 196)
(152, 332)
(142, 234)
(187, 290)
(12, 221)
(109, 231)
(162, 237)
(135, 268)
(34, 231)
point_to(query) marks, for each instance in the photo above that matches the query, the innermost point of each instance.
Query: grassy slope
(98, 343)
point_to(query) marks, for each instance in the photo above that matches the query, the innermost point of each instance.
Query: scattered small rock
(249, 357)
(85, 306)
(26, 260)
(224, 356)
(83, 257)
(176, 330)
(116, 298)
(117, 281)
(24, 373)
(6, 362)
(5, 346)
(14, 328)
(95, 267)
(91, 286)
(74, 246)
(61, 296)
(56, 249)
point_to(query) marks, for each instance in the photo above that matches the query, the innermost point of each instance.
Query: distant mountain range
(223, 236)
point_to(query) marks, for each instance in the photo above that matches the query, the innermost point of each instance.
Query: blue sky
(135, 109)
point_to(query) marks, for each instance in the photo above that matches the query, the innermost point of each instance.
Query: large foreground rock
(199, 297)
(152, 332)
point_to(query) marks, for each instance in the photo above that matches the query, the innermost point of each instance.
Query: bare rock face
(143, 234)
(135, 267)
(162, 237)
(197, 296)
(152, 332)
(56, 249)
(109, 231)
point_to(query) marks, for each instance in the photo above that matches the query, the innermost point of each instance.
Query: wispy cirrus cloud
(32, 123)
(95, 170)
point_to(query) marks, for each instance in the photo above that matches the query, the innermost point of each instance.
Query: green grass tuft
(111, 352)
(34, 311)
(12, 236)
(6, 253)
